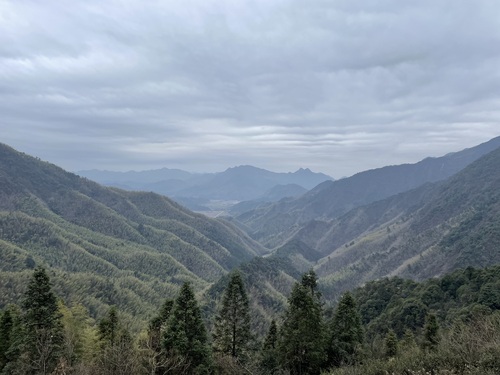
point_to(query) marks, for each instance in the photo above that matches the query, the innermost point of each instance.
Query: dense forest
(449, 325)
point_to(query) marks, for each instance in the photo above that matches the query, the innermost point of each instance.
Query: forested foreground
(392, 326)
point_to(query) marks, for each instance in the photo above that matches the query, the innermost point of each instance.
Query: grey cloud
(340, 86)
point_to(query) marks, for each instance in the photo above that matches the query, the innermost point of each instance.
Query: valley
(106, 248)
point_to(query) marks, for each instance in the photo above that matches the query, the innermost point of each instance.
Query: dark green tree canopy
(186, 334)
(346, 332)
(43, 338)
(232, 323)
(301, 345)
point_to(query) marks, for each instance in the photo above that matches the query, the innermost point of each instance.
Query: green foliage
(186, 335)
(232, 323)
(346, 333)
(116, 354)
(103, 246)
(471, 348)
(269, 352)
(301, 346)
(391, 344)
(401, 305)
(43, 337)
(8, 321)
(431, 332)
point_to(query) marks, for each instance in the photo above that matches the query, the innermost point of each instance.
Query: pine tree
(431, 332)
(42, 320)
(391, 344)
(310, 281)
(12, 338)
(269, 353)
(301, 344)
(186, 335)
(6, 327)
(346, 332)
(232, 324)
(108, 328)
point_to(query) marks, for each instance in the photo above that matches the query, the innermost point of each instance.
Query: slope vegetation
(273, 224)
(111, 247)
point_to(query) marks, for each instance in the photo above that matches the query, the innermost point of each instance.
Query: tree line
(43, 336)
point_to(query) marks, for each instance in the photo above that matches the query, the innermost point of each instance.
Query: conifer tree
(310, 281)
(186, 335)
(232, 324)
(301, 344)
(431, 332)
(117, 354)
(12, 338)
(346, 332)
(108, 328)
(391, 344)
(269, 353)
(157, 358)
(6, 327)
(44, 331)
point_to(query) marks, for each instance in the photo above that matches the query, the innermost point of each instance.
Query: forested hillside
(105, 246)
(274, 224)
(419, 234)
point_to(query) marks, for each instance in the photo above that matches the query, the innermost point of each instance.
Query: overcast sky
(338, 86)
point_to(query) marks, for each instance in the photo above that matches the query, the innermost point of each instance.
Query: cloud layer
(337, 86)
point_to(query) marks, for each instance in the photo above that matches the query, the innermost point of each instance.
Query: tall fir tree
(346, 333)
(186, 335)
(43, 337)
(269, 353)
(232, 323)
(301, 344)
(431, 332)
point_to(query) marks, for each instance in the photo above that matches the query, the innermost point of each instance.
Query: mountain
(106, 246)
(274, 224)
(242, 183)
(418, 234)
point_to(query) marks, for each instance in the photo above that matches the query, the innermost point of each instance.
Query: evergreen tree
(43, 338)
(232, 324)
(431, 332)
(6, 327)
(12, 340)
(408, 340)
(310, 281)
(269, 353)
(301, 343)
(117, 354)
(108, 328)
(186, 335)
(346, 332)
(391, 344)
(157, 359)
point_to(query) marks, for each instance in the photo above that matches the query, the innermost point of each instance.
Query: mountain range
(421, 233)
(274, 224)
(107, 246)
(198, 191)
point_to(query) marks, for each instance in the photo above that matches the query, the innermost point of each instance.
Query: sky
(337, 86)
